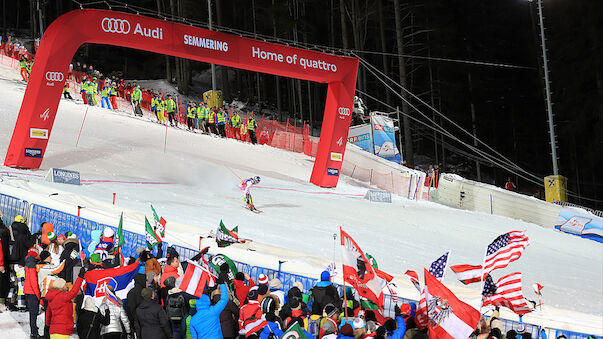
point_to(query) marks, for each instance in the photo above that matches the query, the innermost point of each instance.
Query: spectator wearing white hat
(276, 290)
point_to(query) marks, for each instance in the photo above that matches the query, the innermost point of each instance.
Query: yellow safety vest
(212, 117)
(235, 121)
(191, 112)
(170, 105)
(251, 124)
(221, 118)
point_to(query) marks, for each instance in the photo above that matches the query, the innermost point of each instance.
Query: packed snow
(193, 184)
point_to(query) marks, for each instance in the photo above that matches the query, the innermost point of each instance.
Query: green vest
(191, 112)
(136, 95)
(23, 63)
(202, 112)
(212, 117)
(66, 90)
(105, 92)
(235, 121)
(88, 88)
(113, 91)
(170, 105)
(251, 124)
(221, 118)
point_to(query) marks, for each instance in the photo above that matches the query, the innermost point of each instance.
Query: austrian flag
(358, 272)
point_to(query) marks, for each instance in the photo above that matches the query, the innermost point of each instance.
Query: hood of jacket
(140, 280)
(203, 302)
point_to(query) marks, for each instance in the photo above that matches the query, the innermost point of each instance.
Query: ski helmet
(257, 180)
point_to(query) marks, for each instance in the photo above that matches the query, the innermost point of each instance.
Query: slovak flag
(358, 272)
(121, 279)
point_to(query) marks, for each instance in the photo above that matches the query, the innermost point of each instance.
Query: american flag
(489, 287)
(438, 267)
(505, 249)
(508, 294)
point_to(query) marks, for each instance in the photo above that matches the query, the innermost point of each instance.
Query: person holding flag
(59, 313)
(118, 319)
(205, 324)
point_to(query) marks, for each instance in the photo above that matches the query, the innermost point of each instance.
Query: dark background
(508, 102)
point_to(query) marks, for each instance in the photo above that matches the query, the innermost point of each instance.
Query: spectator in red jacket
(509, 185)
(170, 270)
(59, 314)
(242, 284)
(31, 288)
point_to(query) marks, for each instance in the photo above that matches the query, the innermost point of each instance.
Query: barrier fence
(83, 228)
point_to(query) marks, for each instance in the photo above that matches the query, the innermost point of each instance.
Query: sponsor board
(344, 112)
(336, 156)
(52, 77)
(122, 26)
(333, 171)
(378, 196)
(38, 133)
(63, 176)
(33, 152)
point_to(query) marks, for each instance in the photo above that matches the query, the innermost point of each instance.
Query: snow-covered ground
(193, 185)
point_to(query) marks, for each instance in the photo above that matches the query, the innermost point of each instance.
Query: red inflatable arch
(65, 35)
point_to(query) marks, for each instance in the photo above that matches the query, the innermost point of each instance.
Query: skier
(67, 91)
(170, 109)
(245, 186)
(135, 99)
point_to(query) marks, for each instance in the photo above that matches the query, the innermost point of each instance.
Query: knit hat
(150, 277)
(20, 219)
(262, 279)
(89, 304)
(268, 305)
(325, 276)
(262, 290)
(253, 293)
(405, 309)
(358, 323)
(71, 235)
(108, 233)
(61, 238)
(51, 236)
(299, 285)
(329, 310)
(34, 252)
(44, 255)
(139, 250)
(347, 330)
(95, 259)
(275, 284)
(146, 293)
(170, 282)
(58, 284)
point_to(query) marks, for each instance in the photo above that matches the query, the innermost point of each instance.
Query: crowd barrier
(64, 222)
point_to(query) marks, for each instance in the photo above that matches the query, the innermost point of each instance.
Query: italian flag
(467, 274)
(159, 223)
(152, 237)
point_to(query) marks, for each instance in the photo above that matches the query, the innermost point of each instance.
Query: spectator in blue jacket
(205, 324)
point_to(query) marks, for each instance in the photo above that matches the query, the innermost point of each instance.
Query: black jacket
(151, 321)
(229, 318)
(70, 246)
(23, 241)
(133, 299)
(324, 295)
(4, 277)
(89, 324)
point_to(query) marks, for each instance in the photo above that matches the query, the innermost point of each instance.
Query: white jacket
(117, 316)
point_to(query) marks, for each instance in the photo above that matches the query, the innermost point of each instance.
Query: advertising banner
(384, 138)
(580, 222)
(361, 136)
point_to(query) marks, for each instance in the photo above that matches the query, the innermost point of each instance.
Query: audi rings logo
(54, 76)
(344, 112)
(112, 25)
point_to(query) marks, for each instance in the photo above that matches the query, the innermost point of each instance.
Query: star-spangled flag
(438, 267)
(509, 294)
(505, 249)
(489, 287)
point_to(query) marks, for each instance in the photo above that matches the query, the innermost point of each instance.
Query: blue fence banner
(11, 207)
(63, 176)
(82, 227)
(384, 138)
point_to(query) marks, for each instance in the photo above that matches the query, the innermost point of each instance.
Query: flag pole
(345, 295)
(483, 282)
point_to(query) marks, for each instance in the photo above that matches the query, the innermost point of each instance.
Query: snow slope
(193, 185)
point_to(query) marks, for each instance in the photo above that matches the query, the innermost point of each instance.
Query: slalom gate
(63, 222)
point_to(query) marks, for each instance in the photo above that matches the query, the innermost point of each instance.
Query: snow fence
(63, 222)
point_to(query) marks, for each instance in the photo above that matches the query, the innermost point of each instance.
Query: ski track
(117, 153)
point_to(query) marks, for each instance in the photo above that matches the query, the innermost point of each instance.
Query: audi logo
(54, 76)
(112, 25)
(344, 111)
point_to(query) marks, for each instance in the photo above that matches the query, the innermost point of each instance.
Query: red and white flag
(505, 249)
(508, 294)
(358, 272)
(467, 274)
(414, 278)
(195, 278)
(448, 317)
(537, 288)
